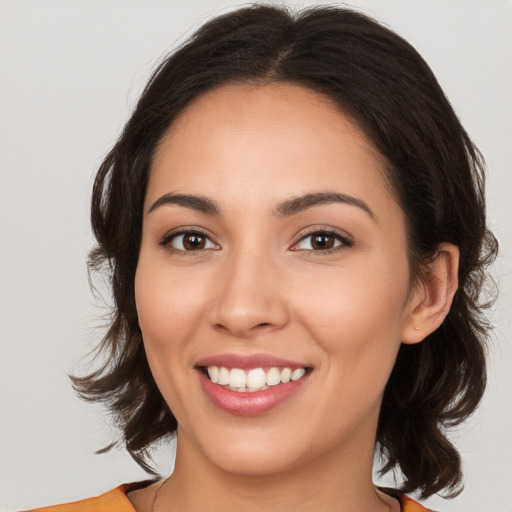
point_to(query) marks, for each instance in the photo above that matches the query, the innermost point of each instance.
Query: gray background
(70, 71)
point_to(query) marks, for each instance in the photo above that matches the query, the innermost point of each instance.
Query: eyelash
(345, 241)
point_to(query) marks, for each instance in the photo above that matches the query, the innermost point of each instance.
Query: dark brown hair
(436, 173)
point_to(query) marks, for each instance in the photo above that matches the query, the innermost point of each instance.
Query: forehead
(265, 142)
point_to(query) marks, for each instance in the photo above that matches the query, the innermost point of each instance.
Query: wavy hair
(436, 173)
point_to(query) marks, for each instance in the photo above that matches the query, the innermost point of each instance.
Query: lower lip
(250, 404)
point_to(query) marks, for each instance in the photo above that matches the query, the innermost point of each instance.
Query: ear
(432, 296)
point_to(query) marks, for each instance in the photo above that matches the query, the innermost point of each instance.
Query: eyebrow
(199, 203)
(300, 203)
(286, 208)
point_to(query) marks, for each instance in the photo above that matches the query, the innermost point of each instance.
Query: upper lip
(249, 361)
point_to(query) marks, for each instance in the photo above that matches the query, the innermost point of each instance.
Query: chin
(252, 451)
(246, 460)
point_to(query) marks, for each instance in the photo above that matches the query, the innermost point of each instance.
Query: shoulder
(407, 504)
(111, 501)
(117, 501)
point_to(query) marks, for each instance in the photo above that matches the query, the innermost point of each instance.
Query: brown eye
(188, 241)
(192, 242)
(321, 241)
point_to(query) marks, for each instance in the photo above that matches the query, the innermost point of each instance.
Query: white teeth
(256, 379)
(213, 373)
(223, 378)
(246, 390)
(273, 377)
(237, 378)
(298, 373)
(286, 375)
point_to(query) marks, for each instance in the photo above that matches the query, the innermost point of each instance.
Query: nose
(250, 297)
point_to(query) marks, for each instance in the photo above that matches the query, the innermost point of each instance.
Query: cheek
(356, 317)
(167, 309)
(358, 331)
(167, 305)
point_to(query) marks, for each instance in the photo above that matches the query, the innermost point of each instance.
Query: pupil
(323, 242)
(193, 242)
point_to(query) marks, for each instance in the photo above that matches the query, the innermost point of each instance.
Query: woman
(294, 219)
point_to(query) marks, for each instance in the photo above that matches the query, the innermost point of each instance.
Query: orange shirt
(116, 501)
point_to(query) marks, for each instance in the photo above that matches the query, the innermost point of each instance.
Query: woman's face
(271, 242)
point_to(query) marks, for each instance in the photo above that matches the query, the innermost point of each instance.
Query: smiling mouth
(253, 379)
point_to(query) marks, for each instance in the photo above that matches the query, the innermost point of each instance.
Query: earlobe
(431, 300)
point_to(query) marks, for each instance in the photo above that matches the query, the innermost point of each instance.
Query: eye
(187, 241)
(322, 241)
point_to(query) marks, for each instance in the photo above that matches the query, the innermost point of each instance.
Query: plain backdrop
(70, 71)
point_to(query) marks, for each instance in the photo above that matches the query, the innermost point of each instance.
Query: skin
(258, 285)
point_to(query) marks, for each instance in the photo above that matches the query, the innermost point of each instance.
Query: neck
(329, 483)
